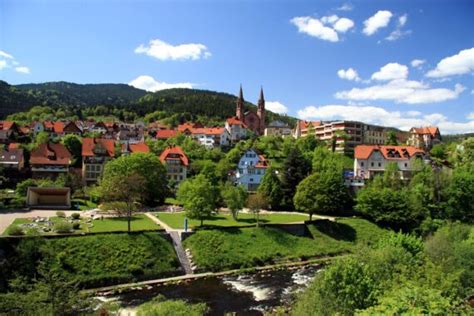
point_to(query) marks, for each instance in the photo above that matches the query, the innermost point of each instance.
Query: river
(243, 294)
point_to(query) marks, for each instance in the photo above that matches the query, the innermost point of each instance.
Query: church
(254, 121)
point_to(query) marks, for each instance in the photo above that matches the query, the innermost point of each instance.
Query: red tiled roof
(166, 133)
(305, 124)
(48, 125)
(235, 121)
(13, 146)
(137, 148)
(6, 125)
(24, 130)
(50, 154)
(58, 127)
(188, 126)
(364, 151)
(89, 143)
(209, 130)
(432, 130)
(262, 162)
(174, 152)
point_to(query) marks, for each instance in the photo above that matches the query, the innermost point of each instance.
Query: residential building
(370, 160)
(236, 129)
(130, 134)
(9, 131)
(12, 158)
(278, 128)
(424, 137)
(50, 160)
(374, 135)
(176, 163)
(255, 121)
(303, 128)
(164, 134)
(187, 128)
(211, 136)
(128, 148)
(96, 152)
(250, 170)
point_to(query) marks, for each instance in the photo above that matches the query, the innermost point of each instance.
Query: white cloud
(3, 64)
(398, 32)
(326, 28)
(349, 74)
(381, 116)
(461, 63)
(345, 7)
(402, 91)
(377, 21)
(148, 83)
(276, 107)
(22, 69)
(413, 113)
(391, 71)
(402, 20)
(417, 62)
(163, 51)
(5, 55)
(470, 116)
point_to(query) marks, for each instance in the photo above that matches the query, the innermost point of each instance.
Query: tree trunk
(202, 221)
(129, 219)
(258, 217)
(310, 217)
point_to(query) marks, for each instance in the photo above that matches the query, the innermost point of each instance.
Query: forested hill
(191, 103)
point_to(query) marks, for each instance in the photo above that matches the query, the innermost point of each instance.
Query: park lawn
(139, 222)
(99, 260)
(219, 250)
(19, 221)
(176, 220)
(83, 204)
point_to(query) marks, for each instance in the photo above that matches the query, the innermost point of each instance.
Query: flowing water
(243, 294)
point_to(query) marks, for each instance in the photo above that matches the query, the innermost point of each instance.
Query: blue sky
(397, 63)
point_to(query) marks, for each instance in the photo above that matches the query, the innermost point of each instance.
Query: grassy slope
(176, 220)
(139, 222)
(219, 250)
(99, 260)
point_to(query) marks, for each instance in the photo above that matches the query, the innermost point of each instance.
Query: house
(129, 148)
(130, 134)
(251, 169)
(236, 129)
(50, 160)
(12, 158)
(255, 121)
(187, 128)
(211, 136)
(278, 128)
(424, 137)
(9, 131)
(303, 128)
(97, 127)
(96, 152)
(164, 134)
(370, 160)
(176, 163)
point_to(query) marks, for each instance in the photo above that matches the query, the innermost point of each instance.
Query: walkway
(175, 235)
(7, 217)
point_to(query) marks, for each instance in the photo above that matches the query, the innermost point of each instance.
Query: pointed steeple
(239, 112)
(261, 112)
(241, 93)
(261, 95)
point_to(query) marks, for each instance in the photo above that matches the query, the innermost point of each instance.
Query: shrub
(63, 227)
(75, 215)
(60, 214)
(76, 226)
(15, 230)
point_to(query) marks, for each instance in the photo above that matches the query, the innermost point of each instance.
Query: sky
(395, 63)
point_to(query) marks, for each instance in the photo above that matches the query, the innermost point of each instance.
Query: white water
(247, 284)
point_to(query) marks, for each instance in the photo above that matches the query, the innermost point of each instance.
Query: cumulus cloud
(399, 32)
(345, 7)
(5, 55)
(163, 51)
(380, 116)
(416, 63)
(459, 64)
(377, 21)
(22, 69)
(391, 71)
(326, 28)
(402, 91)
(349, 74)
(3, 64)
(148, 83)
(276, 107)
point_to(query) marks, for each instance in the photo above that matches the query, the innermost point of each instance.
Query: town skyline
(405, 68)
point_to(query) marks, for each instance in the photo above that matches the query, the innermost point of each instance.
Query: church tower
(239, 113)
(261, 112)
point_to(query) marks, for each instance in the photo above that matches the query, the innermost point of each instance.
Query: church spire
(239, 113)
(261, 96)
(261, 112)
(241, 93)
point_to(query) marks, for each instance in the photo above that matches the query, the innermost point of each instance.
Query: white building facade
(251, 169)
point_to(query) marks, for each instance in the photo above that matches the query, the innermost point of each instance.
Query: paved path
(7, 217)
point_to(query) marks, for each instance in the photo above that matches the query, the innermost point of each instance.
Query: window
(406, 165)
(371, 164)
(380, 164)
(362, 164)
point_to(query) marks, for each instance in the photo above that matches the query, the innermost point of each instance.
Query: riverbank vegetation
(218, 250)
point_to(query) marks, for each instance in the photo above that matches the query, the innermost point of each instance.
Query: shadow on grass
(122, 219)
(338, 231)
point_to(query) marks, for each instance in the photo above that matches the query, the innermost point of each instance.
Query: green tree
(123, 194)
(270, 188)
(198, 197)
(256, 202)
(323, 193)
(391, 138)
(295, 169)
(74, 144)
(161, 307)
(234, 198)
(146, 165)
(459, 194)
(41, 138)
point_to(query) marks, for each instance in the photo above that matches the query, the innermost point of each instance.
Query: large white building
(251, 170)
(236, 128)
(370, 160)
(211, 137)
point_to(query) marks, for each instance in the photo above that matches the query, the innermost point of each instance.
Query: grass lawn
(113, 224)
(176, 220)
(246, 247)
(19, 221)
(83, 205)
